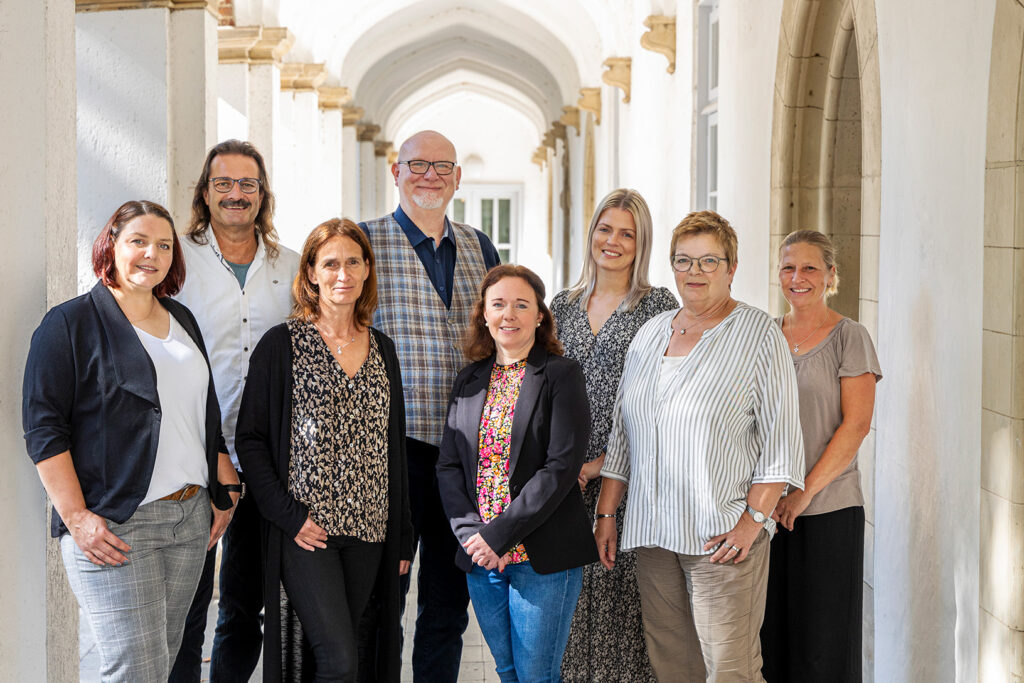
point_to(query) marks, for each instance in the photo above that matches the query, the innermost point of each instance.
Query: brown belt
(183, 494)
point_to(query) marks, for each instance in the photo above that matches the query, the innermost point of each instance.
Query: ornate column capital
(234, 43)
(540, 156)
(366, 132)
(392, 156)
(661, 38)
(555, 133)
(618, 74)
(273, 45)
(350, 115)
(590, 101)
(571, 117)
(173, 5)
(383, 148)
(302, 77)
(333, 97)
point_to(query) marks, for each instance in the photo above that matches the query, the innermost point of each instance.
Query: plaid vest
(428, 336)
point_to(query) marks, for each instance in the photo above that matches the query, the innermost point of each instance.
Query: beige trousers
(702, 620)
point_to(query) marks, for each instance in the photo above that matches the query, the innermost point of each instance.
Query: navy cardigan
(90, 388)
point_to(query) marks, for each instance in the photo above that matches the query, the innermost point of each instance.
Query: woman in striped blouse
(707, 435)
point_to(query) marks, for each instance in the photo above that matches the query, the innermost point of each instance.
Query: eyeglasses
(224, 185)
(419, 166)
(707, 264)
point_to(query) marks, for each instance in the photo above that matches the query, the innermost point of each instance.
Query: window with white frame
(707, 105)
(492, 209)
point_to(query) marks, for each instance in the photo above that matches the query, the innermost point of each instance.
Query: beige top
(847, 351)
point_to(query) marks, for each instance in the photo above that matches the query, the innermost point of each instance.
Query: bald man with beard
(428, 272)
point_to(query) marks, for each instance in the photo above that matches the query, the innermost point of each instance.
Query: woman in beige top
(812, 625)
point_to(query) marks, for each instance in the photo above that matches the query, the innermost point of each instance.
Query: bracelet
(600, 516)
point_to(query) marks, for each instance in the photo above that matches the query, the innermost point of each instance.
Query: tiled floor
(477, 664)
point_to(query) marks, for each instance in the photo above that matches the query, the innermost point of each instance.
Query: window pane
(713, 57)
(713, 158)
(504, 209)
(505, 255)
(487, 217)
(459, 211)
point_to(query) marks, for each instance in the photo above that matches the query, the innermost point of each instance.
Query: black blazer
(90, 387)
(550, 433)
(263, 442)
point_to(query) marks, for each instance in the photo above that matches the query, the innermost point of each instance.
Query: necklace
(701, 318)
(796, 347)
(328, 337)
(341, 347)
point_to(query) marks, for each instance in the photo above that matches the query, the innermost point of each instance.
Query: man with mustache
(238, 283)
(428, 272)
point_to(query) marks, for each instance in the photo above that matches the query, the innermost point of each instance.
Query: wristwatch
(758, 516)
(235, 488)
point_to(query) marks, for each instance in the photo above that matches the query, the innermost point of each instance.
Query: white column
(330, 185)
(350, 171)
(39, 631)
(367, 172)
(382, 176)
(265, 112)
(233, 102)
(146, 112)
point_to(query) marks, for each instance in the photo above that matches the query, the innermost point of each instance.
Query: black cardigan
(90, 388)
(550, 433)
(263, 443)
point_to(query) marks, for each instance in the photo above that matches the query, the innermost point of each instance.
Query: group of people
(602, 476)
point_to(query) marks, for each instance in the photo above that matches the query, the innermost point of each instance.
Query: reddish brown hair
(103, 248)
(306, 294)
(477, 343)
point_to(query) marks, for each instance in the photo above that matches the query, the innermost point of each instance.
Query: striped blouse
(690, 446)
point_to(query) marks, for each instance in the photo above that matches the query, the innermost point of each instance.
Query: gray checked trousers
(137, 612)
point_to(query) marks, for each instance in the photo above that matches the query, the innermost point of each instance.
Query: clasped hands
(476, 547)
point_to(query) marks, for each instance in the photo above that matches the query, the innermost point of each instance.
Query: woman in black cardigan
(516, 435)
(121, 421)
(321, 437)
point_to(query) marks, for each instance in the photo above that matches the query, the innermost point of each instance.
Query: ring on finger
(734, 549)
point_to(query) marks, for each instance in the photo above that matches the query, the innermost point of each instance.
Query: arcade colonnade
(896, 128)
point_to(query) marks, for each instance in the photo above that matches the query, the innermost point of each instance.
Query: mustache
(235, 204)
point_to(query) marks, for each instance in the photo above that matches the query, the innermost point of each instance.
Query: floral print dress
(606, 642)
(495, 445)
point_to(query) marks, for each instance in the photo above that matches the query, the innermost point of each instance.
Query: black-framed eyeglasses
(707, 264)
(419, 166)
(224, 185)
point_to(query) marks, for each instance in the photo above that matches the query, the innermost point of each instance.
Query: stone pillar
(39, 631)
(332, 153)
(264, 60)
(146, 107)
(298, 211)
(350, 163)
(381, 152)
(367, 170)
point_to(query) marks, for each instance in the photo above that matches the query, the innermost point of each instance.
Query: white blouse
(691, 444)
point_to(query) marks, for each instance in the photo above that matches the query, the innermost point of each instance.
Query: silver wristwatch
(758, 516)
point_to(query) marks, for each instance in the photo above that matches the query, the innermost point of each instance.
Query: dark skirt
(813, 617)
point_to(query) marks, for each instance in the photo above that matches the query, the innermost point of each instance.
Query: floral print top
(495, 445)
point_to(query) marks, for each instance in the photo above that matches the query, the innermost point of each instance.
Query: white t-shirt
(182, 382)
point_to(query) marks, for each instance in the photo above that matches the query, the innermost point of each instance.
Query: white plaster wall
(748, 47)
(37, 270)
(934, 82)
(123, 100)
(350, 173)
(330, 151)
(264, 109)
(232, 102)
(368, 182)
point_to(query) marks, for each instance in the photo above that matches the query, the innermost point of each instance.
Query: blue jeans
(525, 618)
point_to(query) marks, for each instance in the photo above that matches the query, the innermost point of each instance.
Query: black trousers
(813, 619)
(328, 589)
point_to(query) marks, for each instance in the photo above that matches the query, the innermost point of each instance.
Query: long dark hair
(477, 343)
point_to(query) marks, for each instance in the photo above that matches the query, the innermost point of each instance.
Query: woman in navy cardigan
(121, 421)
(517, 432)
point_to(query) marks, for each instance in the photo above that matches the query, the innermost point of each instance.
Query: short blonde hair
(824, 245)
(707, 223)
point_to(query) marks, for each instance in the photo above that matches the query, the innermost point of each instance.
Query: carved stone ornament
(234, 43)
(571, 117)
(350, 115)
(618, 74)
(367, 132)
(333, 97)
(382, 148)
(661, 38)
(302, 77)
(590, 101)
(273, 45)
(540, 156)
(173, 5)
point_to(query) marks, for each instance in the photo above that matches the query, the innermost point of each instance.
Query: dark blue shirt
(440, 262)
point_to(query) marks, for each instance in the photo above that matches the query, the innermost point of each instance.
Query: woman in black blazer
(517, 432)
(121, 421)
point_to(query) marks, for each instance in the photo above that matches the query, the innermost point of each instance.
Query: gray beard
(428, 203)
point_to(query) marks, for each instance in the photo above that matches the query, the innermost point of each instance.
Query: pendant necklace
(703, 317)
(796, 347)
(341, 347)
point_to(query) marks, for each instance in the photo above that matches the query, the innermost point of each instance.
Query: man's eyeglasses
(224, 185)
(419, 167)
(707, 264)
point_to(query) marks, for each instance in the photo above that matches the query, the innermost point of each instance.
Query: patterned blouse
(338, 465)
(492, 493)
